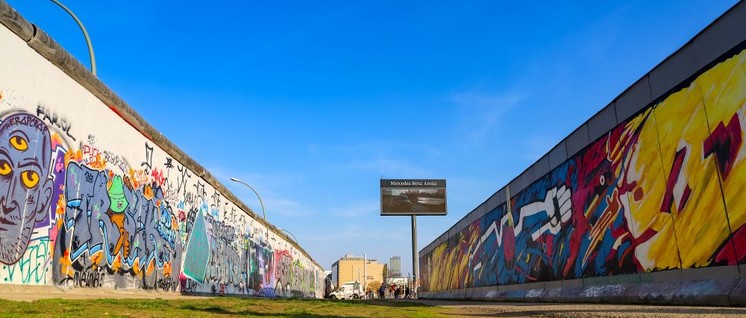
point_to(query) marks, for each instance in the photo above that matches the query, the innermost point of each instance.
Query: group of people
(395, 291)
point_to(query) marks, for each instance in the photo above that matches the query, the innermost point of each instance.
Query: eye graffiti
(19, 143)
(5, 168)
(30, 179)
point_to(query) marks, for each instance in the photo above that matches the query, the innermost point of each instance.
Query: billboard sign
(413, 197)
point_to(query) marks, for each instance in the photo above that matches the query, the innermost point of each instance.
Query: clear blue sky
(312, 102)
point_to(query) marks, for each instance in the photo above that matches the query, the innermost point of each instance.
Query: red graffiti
(724, 142)
(158, 177)
(673, 178)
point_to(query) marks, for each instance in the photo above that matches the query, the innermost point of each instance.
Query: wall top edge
(14, 22)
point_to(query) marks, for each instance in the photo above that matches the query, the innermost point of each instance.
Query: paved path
(472, 309)
(501, 309)
(30, 293)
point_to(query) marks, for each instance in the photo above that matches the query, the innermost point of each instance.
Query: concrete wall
(644, 202)
(93, 197)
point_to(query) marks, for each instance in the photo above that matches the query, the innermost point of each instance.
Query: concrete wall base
(726, 287)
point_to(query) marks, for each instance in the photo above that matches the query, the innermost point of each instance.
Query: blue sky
(312, 102)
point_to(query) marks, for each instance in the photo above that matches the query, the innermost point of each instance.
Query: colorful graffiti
(89, 201)
(94, 204)
(111, 227)
(25, 157)
(662, 190)
(86, 217)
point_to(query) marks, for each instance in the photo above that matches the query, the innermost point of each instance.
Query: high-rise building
(395, 266)
(354, 268)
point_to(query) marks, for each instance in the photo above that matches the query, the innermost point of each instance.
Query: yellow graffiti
(19, 143)
(699, 217)
(98, 163)
(696, 225)
(723, 92)
(5, 168)
(60, 211)
(66, 264)
(29, 179)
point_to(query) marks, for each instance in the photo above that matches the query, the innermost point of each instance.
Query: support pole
(85, 35)
(415, 259)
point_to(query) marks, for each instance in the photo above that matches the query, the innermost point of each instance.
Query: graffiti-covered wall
(664, 189)
(89, 201)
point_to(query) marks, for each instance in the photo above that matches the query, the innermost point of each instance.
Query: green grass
(214, 307)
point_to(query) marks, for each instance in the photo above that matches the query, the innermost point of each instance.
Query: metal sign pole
(415, 263)
(400, 197)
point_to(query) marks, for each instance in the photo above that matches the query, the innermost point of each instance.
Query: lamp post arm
(264, 214)
(85, 34)
(291, 234)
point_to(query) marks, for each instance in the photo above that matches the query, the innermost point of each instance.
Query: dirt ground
(30, 293)
(470, 309)
(499, 309)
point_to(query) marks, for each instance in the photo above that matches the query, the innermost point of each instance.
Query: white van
(349, 290)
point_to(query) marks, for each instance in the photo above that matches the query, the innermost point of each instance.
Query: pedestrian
(406, 292)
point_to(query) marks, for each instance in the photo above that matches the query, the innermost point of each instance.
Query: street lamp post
(85, 35)
(264, 214)
(261, 203)
(291, 234)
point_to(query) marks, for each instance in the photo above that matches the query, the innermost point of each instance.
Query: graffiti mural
(111, 227)
(662, 190)
(25, 159)
(90, 202)
(71, 217)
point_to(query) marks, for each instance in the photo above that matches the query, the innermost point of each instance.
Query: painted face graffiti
(25, 186)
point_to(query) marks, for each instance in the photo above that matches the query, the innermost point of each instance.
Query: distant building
(395, 266)
(354, 268)
(335, 277)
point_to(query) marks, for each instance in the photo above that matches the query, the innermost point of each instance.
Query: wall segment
(642, 203)
(94, 197)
